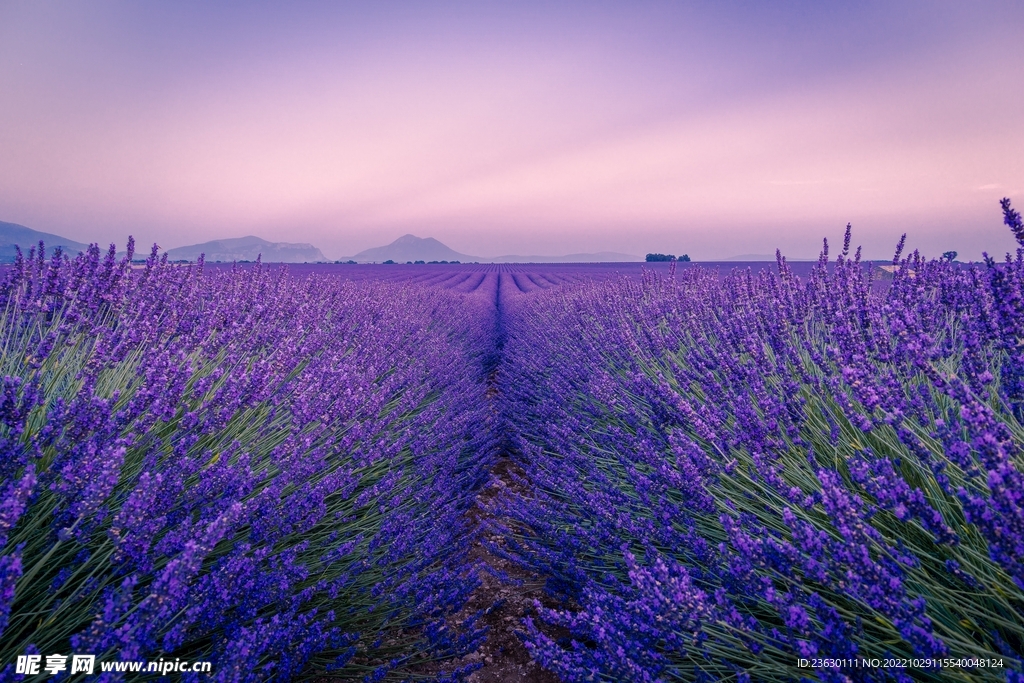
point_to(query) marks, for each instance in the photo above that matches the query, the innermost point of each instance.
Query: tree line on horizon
(666, 257)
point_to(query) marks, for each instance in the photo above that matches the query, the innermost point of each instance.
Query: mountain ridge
(409, 247)
(14, 235)
(248, 248)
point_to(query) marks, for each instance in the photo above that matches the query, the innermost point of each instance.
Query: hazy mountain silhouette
(12, 234)
(247, 249)
(405, 248)
(413, 248)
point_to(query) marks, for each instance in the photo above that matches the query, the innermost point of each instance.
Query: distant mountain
(12, 234)
(247, 249)
(412, 248)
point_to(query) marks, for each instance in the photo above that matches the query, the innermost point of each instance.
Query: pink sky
(714, 130)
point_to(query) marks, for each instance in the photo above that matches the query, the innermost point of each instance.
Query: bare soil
(504, 602)
(504, 657)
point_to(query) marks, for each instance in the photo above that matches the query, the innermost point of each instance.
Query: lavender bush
(264, 471)
(722, 476)
(730, 474)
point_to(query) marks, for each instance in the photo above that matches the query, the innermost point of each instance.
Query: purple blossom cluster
(723, 474)
(727, 474)
(264, 471)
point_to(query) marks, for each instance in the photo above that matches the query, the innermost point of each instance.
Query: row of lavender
(267, 472)
(733, 474)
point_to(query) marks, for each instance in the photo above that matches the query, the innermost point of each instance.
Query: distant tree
(685, 257)
(419, 263)
(350, 261)
(389, 262)
(408, 263)
(453, 262)
(949, 256)
(660, 257)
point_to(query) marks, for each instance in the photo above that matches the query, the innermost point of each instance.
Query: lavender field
(781, 472)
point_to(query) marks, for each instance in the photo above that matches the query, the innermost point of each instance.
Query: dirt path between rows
(505, 601)
(503, 655)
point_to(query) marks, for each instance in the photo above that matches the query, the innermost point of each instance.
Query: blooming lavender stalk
(834, 469)
(266, 471)
(1012, 220)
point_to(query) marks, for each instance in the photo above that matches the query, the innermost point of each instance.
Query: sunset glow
(715, 130)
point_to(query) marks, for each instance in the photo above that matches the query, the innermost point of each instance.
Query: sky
(707, 128)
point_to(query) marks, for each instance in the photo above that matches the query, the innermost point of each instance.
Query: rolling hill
(248, 249)
(413, 248)
(12, 235)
